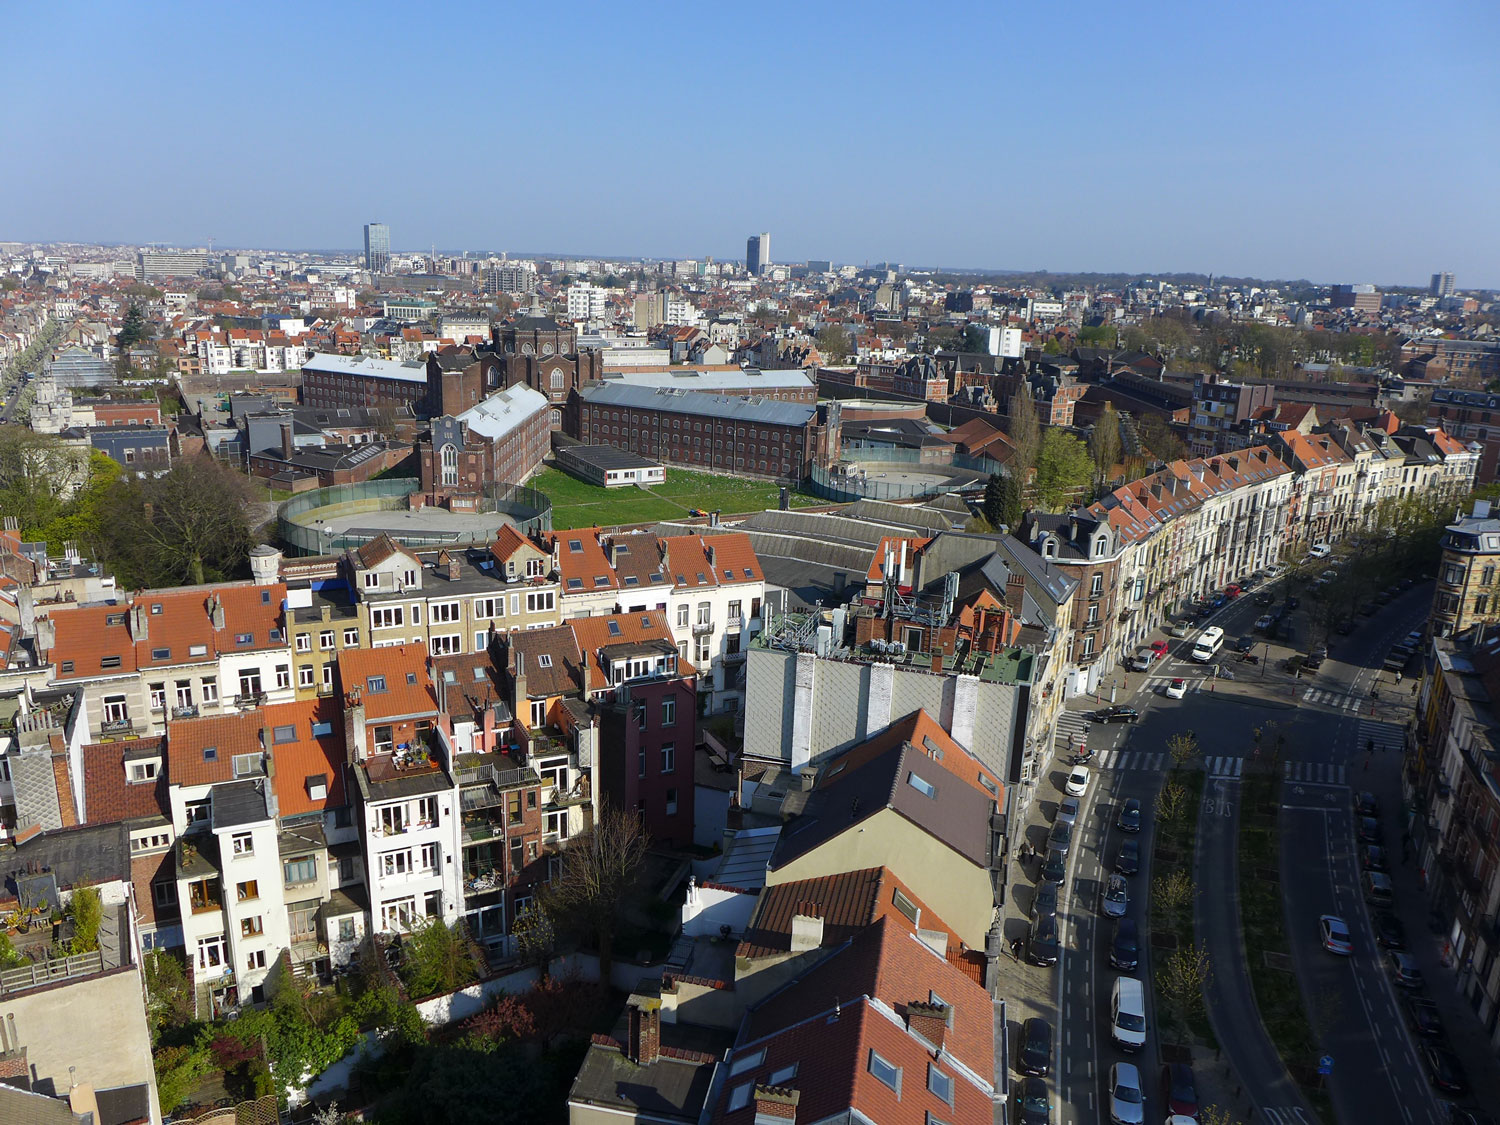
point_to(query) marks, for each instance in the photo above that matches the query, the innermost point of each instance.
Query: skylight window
(614, 628)
(575, 545)
(375, 684)
(921, 785)
(544, 660)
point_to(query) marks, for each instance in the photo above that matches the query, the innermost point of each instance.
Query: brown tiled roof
(225, 735)
(581, 560)
(593, 634)
(108, 794)
(408, 684)
(559, 674)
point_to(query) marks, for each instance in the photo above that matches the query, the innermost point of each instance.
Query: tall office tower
(1442, 285)
(377, 247)
(758, 253)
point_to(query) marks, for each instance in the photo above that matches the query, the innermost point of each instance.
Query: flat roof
(607, 457)
(696, 403)
(367, 366)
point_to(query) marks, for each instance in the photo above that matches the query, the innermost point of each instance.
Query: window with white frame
(444, 613)
(668, 712)
(682, 616)
(159, 697)
(450, 464)
(705, 611)
(395, 863)
(668, 757)
(538, 713)
(184, 692)
(211, 952)
(283, 675)
(328, 677)
(242, 843)
(447, 644)
(305, 676)
(542, 601)
(399, 914)
(304, 642)
(372, 580)
(249, 681)
(351, 638)
(387, 617)
(143, 771)
(427, 811)
(325, 640)
(430, 857)
(557, 824)
(485, 608)
(255, 959)
(210, 685)
(116, 709)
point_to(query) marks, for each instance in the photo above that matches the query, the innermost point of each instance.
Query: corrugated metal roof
(367, 366)
(501, 413)
(698, 404)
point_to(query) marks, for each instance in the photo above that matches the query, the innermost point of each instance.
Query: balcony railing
(117, 726)
(734, 621)
(249, 699)
(702, 628)
(189, 712)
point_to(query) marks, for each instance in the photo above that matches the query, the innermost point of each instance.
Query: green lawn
(576, 503)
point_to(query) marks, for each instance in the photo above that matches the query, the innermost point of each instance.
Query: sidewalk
(1466, 1035)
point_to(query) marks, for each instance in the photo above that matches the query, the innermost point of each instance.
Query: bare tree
(1173, 891)
(1218, 1115)
(1183, 749)
(1184, 976)
(601, 872)
(1025, 433)
(1172, 801)
(187, 525)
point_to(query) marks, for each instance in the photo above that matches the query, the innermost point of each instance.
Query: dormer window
(140, 772)
(1049, 548)
(375, 684)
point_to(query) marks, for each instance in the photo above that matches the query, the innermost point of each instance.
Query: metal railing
(49, 972)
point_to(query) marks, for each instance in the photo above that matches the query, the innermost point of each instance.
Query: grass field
(576, 503)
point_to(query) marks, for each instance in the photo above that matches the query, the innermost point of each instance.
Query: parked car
(1389, 931)
(1116, 896)
(1078, 781)
(1444, 1069)
(1369, 830)
(1125, 945)
(1319, 551)
(1035, 1053)
(1265, 598)
(1334, 935)
(1232, 591)
(1274, 570)
(1140, 661)
(1404, 970)
(1044, 901)
(1033, 1101)
(1055, 866)
(1264, 622)
(1061, 836)
(1128, 858)
(1127, 1104)
(1373, 858)
(1116, 715)
(1179, 1091)
(1041, 945)
(1129, 819)
(1366, 804)
(1464, 1115)
(1422, 1016)
(1244, 644)
(1067, 810)
(1161, 648)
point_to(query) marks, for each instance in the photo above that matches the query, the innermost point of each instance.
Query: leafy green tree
(1098, 336)
(976, 339)
(133, 326)
(1063, 468)
(87, 911)
(38, 473)
(1002, 501)
(439, 958)
(1104, 443)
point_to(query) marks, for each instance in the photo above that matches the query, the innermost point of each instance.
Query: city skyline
(1186, 160)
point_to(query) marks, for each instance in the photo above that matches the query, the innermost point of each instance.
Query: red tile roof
(594, 633)
(108, 795)
(404, 669)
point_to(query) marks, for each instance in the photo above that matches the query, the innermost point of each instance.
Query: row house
(169, 653)
(711, 588)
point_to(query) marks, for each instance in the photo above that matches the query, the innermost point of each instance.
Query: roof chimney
(448, 561)
(775, 1103)
(216, 611)
(138, 626)
(643, 1039)
(807, 927)
(930, 1021)
(286, 441)
(354, 728)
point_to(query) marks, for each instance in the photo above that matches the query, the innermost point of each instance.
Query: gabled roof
(594, 634)
(552, 660)
(393, 682)
(108, 793)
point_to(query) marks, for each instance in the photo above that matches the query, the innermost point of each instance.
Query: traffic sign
(1325, 1065)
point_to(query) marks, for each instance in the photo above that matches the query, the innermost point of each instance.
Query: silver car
(1127, 1102)
(1116, 896)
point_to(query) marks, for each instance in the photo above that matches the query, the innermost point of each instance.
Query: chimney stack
(518, 680)
(449, 562)
(287, 444)
(643, 1039)
(807, 927)
(216, 611)
(355, 746)
(930, 1021)
(775, 1103)
(139, 629)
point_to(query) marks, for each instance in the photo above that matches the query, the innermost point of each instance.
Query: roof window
(921, 785)
(614, 628)
(544, 660)
(375, 684)
(210, 753)
(286, 733)
(161, 654)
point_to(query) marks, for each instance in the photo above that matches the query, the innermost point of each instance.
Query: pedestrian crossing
(1158, 684)
(1072, 729)
(1224, 767)
(1338, 700)
(1315, 773)
(1131, 759)
(1384, 736)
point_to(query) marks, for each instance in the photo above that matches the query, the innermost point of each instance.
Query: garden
(576, 503)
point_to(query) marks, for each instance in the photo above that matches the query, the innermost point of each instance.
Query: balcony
(734, 621)
(735, 657)
(702, 628)
(189, 712)
(117, 727)
(246, 699)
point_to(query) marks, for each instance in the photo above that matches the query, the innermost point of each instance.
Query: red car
(1160, 648)
(1232, 591)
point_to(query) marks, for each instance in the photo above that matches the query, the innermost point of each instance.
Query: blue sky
(1338, 142)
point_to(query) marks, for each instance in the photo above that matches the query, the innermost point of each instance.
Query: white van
(1127, 1014)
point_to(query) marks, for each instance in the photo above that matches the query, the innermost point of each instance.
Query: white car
(1177, 689)
(1273, 571)
(1078, 781)
(1264, 622)
(1335, 935)
(1127, 1102)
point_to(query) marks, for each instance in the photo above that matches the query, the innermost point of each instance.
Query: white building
(585, 301)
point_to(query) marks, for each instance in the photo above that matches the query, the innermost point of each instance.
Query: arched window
(449, 456)
(557, 379)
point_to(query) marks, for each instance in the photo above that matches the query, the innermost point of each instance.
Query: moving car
(1061, 836)
(1335, 935)
(1044, 901)
(1035, 1047)
(1444, 1069)
(1067, 811)
(1129, 819)
(1041, 944)
(1422, 1016)
(1404, 970)
(1125, 945)
(1178, 1089)
(1033, 1101)
(1116, 896)
(1177, 689)
(1128, 858)
(1181, 629)
(1127, 1105)
(1319, 551)
(1116, 715)
(1264, 622)
(1078, 781)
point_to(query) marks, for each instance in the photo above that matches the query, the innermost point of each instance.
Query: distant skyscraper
(758, 253)
(377, 247)
(1442, 285)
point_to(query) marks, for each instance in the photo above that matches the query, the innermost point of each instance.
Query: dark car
(1373, 858)
(1044, 901)
(1244, 644)
(1422, 1015)
(1178, 1090)
(1116, 715)
(1041, 945)
(1034, 1102)
(1265, 597)
(1036, 1047)
(1365, 804)
(1405, 971)
(1446, 1072)
(1125, 945)
(1055, 866)
(1369, 830)
(1128, 858)
(1292, 603)
(1129, 819)
(1316, 657)
(1389, 931)
(1462, 1115)
(1060, 839)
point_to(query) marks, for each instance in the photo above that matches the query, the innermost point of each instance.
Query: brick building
(500, 440)
(699, 431)
(425, 389)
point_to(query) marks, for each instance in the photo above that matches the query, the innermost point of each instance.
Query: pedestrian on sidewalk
(1015, 950)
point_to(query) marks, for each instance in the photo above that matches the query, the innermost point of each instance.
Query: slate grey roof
(914, 517)
(695, 403)
(239, 802)
(73, 855)
(367, 366)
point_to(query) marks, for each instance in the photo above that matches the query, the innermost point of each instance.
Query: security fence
(858, 474)
(528, 508)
